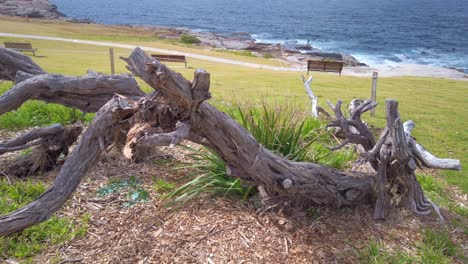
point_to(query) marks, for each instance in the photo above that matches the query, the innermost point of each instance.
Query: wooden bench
(20, 47)
(173, 58)
(324, 65)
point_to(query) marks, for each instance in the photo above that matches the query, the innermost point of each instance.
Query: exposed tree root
(47, 143)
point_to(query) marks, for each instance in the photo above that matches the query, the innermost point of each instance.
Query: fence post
(374, 91)
(111, 54)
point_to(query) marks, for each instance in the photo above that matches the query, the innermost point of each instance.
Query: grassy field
(438, 106)
(119, 34)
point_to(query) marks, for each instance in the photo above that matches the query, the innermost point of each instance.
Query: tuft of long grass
(210, 177)
(284, 130)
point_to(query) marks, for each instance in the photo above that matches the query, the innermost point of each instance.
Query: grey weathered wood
(374, 91)
(25, 140)
(167, 139)
(111, 55)
(425, 157)
(87, 93)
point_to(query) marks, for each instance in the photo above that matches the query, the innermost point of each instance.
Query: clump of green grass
(434, 190)
(34, 239)
(437, 247)
(375, 253)
(267, 55)
(285, 131)
(211, 177)
(35, 113)
(245, 53)
(161, 185)
(189, 39)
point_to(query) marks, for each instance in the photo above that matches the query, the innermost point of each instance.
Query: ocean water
(433, 32)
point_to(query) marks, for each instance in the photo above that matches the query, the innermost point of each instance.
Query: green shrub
(189, 39)
(267, 55)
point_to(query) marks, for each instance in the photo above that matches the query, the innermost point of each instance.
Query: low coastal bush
(189, 39)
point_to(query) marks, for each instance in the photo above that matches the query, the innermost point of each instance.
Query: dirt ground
(217, 229)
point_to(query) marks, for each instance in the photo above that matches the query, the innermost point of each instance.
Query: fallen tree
(177, 110)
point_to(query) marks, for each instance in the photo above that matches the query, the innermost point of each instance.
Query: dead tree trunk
(395, 157)
(177, 109)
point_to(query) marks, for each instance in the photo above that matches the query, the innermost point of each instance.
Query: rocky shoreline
(30, 8)
(292, 53)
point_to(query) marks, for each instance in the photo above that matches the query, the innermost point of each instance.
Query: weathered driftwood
(49, 144)
(12, 62)
(31, 138)
(354, 130)
(316, 109)
(245, 157)
(179, 101)
(425, 157)
(87, 93)
(79, 162)
(395, 157)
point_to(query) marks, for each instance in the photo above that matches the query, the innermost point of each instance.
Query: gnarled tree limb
(87, 93)
(242, 152)
(79, 162)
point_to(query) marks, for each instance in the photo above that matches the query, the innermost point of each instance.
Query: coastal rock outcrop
(30, 9)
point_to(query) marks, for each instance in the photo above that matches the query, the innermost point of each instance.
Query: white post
(311, 94)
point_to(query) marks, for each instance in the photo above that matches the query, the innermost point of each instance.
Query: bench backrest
(323, 65)
(179, 58)
(15, 45)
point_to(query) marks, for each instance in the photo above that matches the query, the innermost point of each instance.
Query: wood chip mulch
(217, 229)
